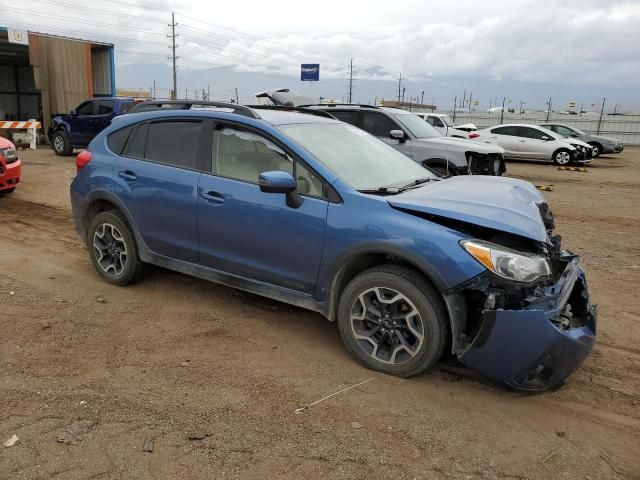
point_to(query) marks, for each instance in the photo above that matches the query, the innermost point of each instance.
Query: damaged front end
(528, 336)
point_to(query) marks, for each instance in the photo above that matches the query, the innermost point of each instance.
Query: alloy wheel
(111, 251)
(58, 143)
(387, 325)
(563, 158)
(595, 152)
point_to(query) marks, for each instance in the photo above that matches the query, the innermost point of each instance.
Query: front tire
(113, 250)
(7, 191)
(60, 144)
(393, 321)
(562, 157)
(597, 149)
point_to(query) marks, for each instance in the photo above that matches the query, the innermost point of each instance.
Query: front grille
(485, 164)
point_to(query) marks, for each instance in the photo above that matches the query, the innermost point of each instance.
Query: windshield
(416, 125)
(447, 120)
(359, 159)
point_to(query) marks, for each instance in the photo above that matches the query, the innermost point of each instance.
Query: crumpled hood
(462, 144)
(504, 204)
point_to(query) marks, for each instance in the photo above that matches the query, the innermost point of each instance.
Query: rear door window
(435, 121)
(512, 131)
(174, 143)
(346, 116)
(533, 133)
(105, 107)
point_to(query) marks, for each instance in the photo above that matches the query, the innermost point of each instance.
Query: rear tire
(60, 144)
(392, 320)
(113, 249)
(562, 157)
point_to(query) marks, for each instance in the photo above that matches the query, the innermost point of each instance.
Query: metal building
(42, 74)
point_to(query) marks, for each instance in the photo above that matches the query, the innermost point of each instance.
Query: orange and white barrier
(31, 125)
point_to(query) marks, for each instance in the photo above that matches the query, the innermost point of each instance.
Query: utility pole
(502, 113)
(351, 80)
(464, 99)
(237, 100)
(154, 89)
(403, 89)
(601, 113)
(470, 97)
(173, 57)
(399, 86)
(208, 93)
(422, 98)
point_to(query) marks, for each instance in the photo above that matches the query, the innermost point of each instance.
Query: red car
(9, 167)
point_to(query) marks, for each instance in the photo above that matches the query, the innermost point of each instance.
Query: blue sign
(310, 72)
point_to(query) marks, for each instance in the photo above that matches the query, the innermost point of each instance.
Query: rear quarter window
(118, 139)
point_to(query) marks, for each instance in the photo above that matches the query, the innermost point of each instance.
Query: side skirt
(257, 287)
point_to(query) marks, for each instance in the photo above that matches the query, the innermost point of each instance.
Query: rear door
(531, 144)
(81, 132)
(157, 178)
(507, 138)
(103, 116)
(437, 123)
(253, 234)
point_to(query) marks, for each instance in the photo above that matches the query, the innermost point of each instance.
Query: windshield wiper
(415, 183)
(381, 190)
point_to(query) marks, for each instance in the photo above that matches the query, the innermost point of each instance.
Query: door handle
(522, 141)
(213, 197)
(128, 175)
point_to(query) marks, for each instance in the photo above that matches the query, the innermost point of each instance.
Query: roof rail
(286, 108)
(330, 105)
(152, 105)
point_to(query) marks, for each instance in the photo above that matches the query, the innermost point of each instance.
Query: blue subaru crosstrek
(320, 214)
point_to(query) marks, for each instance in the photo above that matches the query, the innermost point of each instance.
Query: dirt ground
(174, 357)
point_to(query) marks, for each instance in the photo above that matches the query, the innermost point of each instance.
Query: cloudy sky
(525, 50)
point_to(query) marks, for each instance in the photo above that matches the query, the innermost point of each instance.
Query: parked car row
(532, 142)
(409, 265)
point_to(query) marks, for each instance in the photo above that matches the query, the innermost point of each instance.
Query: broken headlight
(507, 263)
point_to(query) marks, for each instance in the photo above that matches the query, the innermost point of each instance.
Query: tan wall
(62, 72)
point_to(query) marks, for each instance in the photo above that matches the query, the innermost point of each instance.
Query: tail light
(474, 135)
(83, 158)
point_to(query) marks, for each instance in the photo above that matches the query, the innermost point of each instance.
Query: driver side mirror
(397, 135)
(73, 113)
(574, 134)
(545, 138)
(281, 182)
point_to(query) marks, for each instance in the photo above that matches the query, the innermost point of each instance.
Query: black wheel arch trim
(327, 292)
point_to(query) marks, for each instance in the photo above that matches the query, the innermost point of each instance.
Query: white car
(531, 142)
(443, 123)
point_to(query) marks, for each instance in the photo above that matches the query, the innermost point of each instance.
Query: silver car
(531, 142)
(413, 136)
(600, 144)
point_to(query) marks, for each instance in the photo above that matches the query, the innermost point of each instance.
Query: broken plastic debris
(12, 441)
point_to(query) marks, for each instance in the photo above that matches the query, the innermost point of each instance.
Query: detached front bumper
(537, 348)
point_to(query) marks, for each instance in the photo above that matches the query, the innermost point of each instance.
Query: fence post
(502, 112)
(601, 113)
